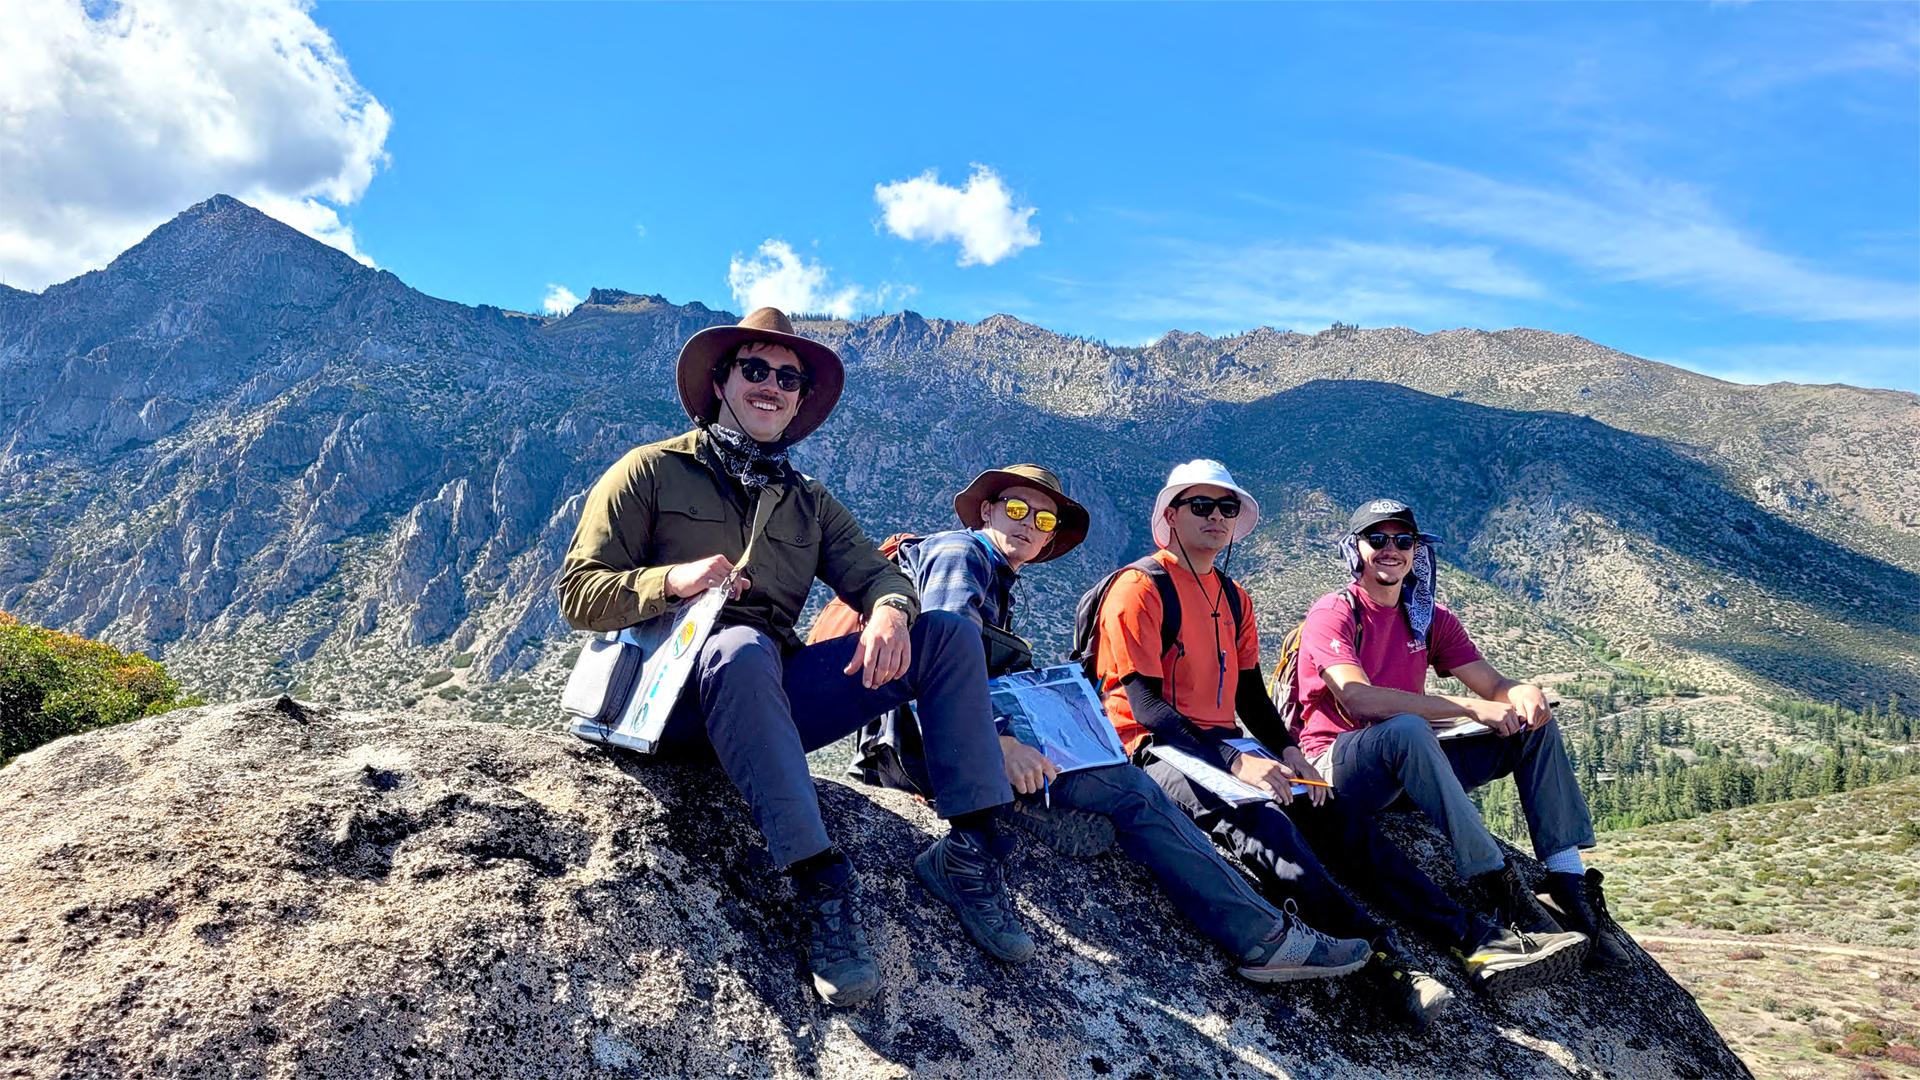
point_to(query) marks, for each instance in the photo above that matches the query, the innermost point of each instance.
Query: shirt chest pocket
(694, 529)
(792, 549)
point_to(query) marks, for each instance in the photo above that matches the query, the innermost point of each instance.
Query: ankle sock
(1566, 861)
(981, 823)
(827, 869)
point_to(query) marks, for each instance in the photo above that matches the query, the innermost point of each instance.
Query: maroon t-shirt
(1386, 653)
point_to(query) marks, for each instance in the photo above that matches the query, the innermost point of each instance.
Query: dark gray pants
(762, 713)
(1263, 837)
(1374, 766)
(1155, 832)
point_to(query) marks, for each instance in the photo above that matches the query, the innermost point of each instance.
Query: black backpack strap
(1359, 624)
(1233, 600)
(1169, 601)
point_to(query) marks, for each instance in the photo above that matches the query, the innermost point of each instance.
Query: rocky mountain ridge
(243, 452)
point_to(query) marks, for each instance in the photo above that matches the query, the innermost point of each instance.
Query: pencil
(1312, 783)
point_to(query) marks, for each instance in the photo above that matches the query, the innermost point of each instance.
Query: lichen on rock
(279, 890)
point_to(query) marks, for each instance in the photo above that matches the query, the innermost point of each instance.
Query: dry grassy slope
(1792, 924)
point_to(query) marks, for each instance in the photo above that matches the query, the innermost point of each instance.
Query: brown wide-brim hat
(988, 485)
(705, 350)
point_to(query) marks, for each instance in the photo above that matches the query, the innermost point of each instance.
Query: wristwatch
(899, 603)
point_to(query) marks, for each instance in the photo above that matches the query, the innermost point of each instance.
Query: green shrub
(437, 678)
(1864, 1038)
(462, 660)
(54, 684)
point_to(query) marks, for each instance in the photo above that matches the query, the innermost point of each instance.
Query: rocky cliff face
(241, 451)
(279, 890)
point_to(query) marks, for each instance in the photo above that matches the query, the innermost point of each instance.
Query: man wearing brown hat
(675, 518)
(1021, 515)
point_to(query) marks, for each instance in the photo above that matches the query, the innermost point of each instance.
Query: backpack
(1286, 674)
(1086, 614)
(838, 618)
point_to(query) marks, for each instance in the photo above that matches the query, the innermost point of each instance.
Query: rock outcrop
(276, 890)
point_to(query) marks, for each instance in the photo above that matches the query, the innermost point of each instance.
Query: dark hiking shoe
(1417, 996)
(958, 869)
(1293, 951)
(1509, 959)
(843, 969)
(1511, 903)
(1081, 834)
(1581, 905)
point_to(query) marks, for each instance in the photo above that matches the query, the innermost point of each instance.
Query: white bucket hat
(1202, 471)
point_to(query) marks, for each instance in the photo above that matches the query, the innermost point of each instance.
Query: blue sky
(1731, 187)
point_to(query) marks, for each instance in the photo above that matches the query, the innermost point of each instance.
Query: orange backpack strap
(838, 618)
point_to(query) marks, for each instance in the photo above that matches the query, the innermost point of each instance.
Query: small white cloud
(559, 300)
(119, 116)
(639, 230)
(776, 276)
(981, 216)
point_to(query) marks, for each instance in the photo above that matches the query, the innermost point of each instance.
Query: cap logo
(1384, 506)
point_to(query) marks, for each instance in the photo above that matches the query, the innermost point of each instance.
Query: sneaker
(1420, 997)
(837, 952)
(1293, 951)
(1510, 959)
(1081, 834)
(1512, 903)
(1581, 905)
(959, 870)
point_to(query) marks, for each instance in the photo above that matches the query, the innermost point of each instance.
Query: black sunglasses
(756, 370)
(1403, 541)
(1203, 506)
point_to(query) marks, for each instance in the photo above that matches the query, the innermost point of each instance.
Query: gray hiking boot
(958, 869)
(837, 952)
(1293, 951)
(1081, 834)
(1509, 959)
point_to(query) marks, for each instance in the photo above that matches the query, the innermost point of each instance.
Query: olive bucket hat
(1074, 519)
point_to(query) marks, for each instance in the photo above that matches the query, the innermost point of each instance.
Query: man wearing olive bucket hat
(1019, 516)
(674, 518)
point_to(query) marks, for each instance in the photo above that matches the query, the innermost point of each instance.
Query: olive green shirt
(667, 503)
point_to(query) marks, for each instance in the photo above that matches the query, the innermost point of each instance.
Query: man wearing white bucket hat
(1177, 656)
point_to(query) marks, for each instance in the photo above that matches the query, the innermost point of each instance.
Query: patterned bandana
(754, 464)
(1416, 592)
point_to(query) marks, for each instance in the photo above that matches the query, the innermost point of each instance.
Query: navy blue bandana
(1416, 592)
(754, 464)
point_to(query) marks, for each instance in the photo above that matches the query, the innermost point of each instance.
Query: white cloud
(981, 216)
(776, 276)
(1893, 367)
(1307, 286)
(559, 300)
(1631, 229)
(111, 125)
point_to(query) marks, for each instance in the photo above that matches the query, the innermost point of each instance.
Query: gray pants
(1374, 766)
(762, 713)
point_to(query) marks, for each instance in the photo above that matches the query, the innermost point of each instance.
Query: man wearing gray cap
(1369, 725)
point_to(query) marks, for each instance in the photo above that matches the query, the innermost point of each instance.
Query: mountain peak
(223, 238)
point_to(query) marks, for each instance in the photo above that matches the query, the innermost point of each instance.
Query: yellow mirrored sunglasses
(1044, 520)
